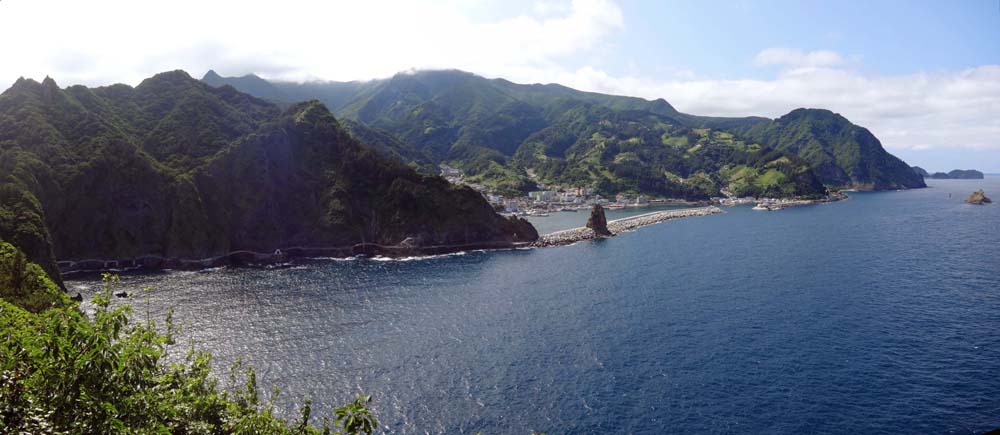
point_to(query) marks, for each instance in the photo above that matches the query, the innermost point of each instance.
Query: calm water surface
(878, 315)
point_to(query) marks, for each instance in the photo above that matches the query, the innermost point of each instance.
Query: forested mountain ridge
(841, 153)
(488, 126)
(177, 168)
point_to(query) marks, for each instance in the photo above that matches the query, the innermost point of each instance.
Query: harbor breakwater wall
(566, 237)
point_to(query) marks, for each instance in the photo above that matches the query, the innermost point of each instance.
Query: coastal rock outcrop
(598, 222)
(978, 197)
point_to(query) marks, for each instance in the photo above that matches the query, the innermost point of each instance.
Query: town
(552, 198)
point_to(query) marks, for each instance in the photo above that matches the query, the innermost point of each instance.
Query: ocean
(875, 315)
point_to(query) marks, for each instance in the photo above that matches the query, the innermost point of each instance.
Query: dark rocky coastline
(148, 263)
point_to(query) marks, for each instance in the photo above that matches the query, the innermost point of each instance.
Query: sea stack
(977, 197)
(598, 223)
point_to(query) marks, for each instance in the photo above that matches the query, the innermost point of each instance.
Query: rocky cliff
(174, 168)
(598, 222)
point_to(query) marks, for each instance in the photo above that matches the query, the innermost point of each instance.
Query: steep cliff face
(177, 168)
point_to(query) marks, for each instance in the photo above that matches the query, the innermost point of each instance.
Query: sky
(923, 76)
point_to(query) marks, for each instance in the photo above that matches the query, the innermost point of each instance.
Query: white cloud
(942, 110)
(105, 41)
(798, 58)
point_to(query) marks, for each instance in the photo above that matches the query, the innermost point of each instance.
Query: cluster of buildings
(551, 198)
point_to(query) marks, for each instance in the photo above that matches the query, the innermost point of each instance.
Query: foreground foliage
(63, 371)
(25, 284)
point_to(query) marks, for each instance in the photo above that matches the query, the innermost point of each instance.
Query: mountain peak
(310, 112)
(211, 75)
(662, 106)
(804, 111)
(47, 87)
(176, 76)
(23, 83)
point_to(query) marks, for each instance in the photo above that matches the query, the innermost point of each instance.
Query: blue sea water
(876, 315)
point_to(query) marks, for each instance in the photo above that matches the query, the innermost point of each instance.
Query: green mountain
(176, 168)
(641, 152)
(921, 171)
(841, 153)
(508, 136)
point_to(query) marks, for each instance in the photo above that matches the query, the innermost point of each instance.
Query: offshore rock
(598, 223)
(978, 198)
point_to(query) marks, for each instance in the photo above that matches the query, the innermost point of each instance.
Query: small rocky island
(978, 197)
(598, 222)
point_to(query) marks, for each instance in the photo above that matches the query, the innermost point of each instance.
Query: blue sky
(923, 76)
(720, 38)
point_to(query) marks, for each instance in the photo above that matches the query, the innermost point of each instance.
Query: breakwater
(617, 226)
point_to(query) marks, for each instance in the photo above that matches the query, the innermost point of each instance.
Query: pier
(617, 226)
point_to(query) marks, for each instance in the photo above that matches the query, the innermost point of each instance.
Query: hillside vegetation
(176, 168)
(508, 136)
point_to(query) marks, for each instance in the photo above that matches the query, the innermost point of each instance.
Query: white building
(542, 195)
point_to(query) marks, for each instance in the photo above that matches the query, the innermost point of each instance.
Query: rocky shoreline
(69, 268)
(779, 204)
(570, 236)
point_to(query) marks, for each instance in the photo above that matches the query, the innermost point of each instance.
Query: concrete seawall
(617, 226)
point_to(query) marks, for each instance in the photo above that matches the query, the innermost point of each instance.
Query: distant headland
(955, 174)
